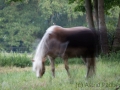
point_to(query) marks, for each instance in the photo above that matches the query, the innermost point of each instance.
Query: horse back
(76, 36)
(81, 40)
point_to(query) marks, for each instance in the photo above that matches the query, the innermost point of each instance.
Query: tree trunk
(88, 7)
(102, 28)
(96, 13)
(116, 43)
(96, 20)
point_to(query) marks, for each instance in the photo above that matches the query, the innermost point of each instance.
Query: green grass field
(107, 77)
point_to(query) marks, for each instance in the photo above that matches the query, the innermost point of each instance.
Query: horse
(66, 43)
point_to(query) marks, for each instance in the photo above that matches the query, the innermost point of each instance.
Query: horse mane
(41, 49)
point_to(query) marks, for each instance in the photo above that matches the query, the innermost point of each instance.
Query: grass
(107, 77)
(15, 59)
(13, 77)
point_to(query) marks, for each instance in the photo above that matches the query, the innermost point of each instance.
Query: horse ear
(32, 60)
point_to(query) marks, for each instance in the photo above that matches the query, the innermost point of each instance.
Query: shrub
(14, 59)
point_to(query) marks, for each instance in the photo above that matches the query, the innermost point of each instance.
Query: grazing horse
(66, 43)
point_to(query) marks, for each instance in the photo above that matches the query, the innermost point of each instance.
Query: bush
(24, 60)
(111, 57)
(15, 59)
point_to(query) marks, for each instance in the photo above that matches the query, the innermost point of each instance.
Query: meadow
(16, 74)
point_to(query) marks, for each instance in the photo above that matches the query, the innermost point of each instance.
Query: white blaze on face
(38, 73)
(37, 67)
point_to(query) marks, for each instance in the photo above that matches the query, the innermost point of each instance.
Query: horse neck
(41, 50)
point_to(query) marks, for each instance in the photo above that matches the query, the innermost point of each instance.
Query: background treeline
(22, 24)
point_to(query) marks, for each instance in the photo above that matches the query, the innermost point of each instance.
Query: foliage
(111, 23)
(9, 1)
(111, 4)
(24, 22)
(17, 26)
(80, 5)
(111, 57)
(112, 10)
(108, 4)
(58, 12)
(15, 59)
(24, 60)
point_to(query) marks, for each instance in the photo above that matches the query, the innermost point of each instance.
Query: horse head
(38, 67)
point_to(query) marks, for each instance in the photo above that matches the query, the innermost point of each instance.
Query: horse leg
(52, 65)
(86, 63)
(90, 67)
(66, 66)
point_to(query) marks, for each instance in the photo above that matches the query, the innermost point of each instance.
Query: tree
(95, 3)
(88, 7)
(102, 27)
(9, 1)
(22, 24)
(106, 6)
(116, 44)
(17, 26)
(103, 36)
(59, 12)
(99, 13)
(56, 10)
